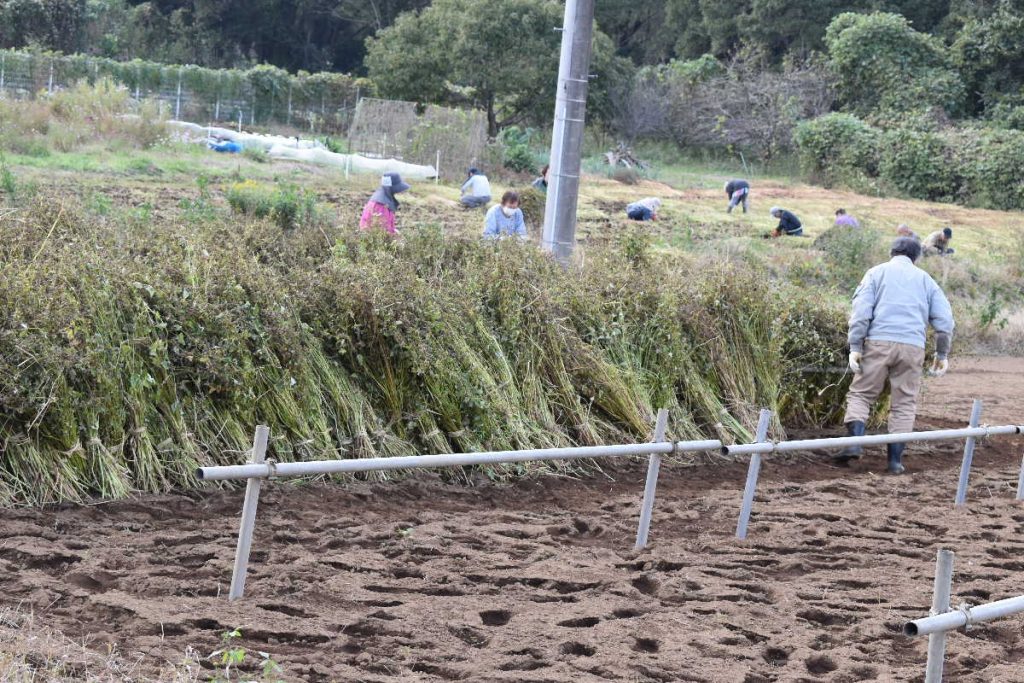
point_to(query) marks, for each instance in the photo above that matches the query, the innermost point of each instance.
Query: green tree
(989, 52)
(638, 29)
(53, 24)
(883, 67)
(499, 55)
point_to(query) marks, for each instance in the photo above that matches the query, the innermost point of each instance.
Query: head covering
(652, 203)
(473, 170)
(948, 232)
(390, 185)
(906, 246)
(774, 210)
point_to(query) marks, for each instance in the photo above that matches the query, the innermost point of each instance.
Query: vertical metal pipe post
(1020, 482)
(559, 234)
(3, 69)
(49, 84)
(437, 168)
(752, 473)
(940, 605)
(653, 467)
(252, 499)
(965, 467)
(177, 99)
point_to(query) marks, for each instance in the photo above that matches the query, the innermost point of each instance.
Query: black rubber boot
(896, 458)
(849, 453)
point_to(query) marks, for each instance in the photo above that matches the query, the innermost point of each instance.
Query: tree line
(762, 78)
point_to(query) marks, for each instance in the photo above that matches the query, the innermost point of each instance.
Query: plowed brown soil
(537, 581)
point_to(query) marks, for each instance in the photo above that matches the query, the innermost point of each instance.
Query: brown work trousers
(903, 366)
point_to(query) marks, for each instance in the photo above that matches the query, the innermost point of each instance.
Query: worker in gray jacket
(892, 308)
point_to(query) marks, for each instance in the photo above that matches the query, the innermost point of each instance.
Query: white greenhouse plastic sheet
(307, 151)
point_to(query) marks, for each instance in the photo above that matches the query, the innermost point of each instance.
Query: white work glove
(855, 357)
(940, 367)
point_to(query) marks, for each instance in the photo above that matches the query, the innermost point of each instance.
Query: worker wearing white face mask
(505, 219)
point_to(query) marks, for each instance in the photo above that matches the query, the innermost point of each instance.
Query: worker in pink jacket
(380, 210)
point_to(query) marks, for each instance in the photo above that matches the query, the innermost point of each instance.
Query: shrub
(516, 153)
(250, 198)
(837, 147)
(288, 205)
(992, 165)
(532, 201)
(849, 252)
(919, 163)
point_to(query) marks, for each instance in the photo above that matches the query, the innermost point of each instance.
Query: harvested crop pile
(132, 350)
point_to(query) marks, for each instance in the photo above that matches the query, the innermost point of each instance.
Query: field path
(536, 581)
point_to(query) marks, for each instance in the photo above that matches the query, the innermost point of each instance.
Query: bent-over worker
(789, 224)
(845, 219)
(903, 230)
(644, 210)
(937, 243)
(738, 192)
(383, 204)
(892, 308)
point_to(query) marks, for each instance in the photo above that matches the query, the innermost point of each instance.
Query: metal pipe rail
(964, 616)
(300, 469)
(869, 440)
(258, 468)
(942, 619)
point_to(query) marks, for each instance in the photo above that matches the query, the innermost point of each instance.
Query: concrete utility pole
(567, 135)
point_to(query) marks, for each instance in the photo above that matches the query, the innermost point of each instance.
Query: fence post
(49, 85)
(940, 605)
(752, 472)
(965, 466)
(252, 499)
(3, 69)
(437, 170)
(239, 120)
(1020, 482)
(289, 121)
(177, 100)
(653, 467)
(216, 107)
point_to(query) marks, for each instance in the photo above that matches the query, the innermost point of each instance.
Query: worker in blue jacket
(789, 224)
(505, 219)
(892, 309)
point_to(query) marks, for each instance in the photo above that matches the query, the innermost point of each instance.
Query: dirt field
(420, 580)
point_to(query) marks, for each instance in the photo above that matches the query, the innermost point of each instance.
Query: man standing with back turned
(892, 308)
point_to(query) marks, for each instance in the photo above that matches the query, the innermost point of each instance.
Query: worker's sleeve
(466, 185)
(940, 315)
(491, 225)
(862, 313)
(520, 229)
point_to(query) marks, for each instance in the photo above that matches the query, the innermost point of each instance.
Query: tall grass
(132, 351)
